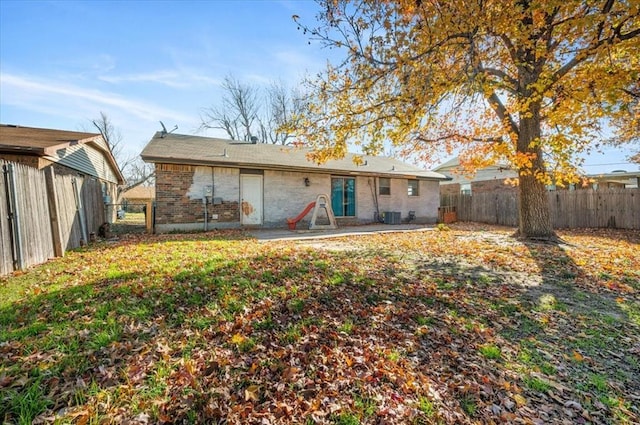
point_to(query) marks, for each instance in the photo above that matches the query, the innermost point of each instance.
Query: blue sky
(140, 62)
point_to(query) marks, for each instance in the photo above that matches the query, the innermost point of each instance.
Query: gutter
(229, 164)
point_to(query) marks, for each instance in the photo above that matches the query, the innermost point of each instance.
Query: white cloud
(67, 99)
(181, 78)
(39, 102)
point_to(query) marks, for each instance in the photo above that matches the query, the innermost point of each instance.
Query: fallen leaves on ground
(463, 326)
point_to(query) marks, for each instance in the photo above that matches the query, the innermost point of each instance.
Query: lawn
(459, 325)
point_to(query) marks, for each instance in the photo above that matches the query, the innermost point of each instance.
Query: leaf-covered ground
(466, 325)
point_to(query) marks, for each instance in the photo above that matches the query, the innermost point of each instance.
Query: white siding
(88, 160)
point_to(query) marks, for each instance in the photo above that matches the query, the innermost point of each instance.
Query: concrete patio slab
(264, 235)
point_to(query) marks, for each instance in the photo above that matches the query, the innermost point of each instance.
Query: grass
(29, 403)
(537, 384)
(204, 328)
(490, 351)
(346, 327)
(426, 406)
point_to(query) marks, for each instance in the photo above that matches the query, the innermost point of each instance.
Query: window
(412, 187)
(384, 186)
(343, 196)
(465, 189)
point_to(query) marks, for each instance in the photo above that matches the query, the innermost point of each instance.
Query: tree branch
(502, 113)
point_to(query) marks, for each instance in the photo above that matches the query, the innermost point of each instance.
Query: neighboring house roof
(628, 178)
(452, 169)
(454, 163)
(58, 146)
(140, 192)
(195, 150)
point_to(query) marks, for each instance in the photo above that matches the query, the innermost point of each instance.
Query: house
(204, 183)
(67, 152)
(135, 198)
(618, 179)
(488, 179)
(55, 192)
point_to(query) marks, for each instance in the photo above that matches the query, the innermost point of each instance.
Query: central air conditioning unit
(392, 217)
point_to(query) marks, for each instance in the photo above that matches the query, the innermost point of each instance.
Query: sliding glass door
(343, 196)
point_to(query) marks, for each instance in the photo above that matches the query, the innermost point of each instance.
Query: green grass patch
(536, 384)
(291, 334)
(426, 407)
(346, 327)
(346, 418)
(25, 404)
(490, 351)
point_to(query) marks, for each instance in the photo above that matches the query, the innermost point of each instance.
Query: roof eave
(310, 169)
(22, 150)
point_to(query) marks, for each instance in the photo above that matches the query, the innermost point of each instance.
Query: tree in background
(629, 126)
(135, 171)
(245, 112)
(534, 82)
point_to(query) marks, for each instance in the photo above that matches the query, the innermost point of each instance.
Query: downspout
(204, 201)
(374, 195)
(208, 194)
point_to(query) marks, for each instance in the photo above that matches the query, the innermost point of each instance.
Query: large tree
(534, 82)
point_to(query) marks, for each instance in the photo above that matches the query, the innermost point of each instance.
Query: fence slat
(35, 218)
(618, 208)
(6, 259)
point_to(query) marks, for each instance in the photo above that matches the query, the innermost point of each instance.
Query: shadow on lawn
(282, 335)
(584, 339)
(270, 336)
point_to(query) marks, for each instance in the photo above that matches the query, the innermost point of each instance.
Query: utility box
(392, 217)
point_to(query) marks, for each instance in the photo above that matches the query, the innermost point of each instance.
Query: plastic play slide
(291, 222)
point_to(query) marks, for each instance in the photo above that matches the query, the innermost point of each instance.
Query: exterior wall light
(307, 182)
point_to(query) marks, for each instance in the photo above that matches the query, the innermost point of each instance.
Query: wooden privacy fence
(616, 208)
(42, 215)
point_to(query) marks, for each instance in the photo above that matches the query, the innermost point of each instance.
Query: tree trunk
(535, 216)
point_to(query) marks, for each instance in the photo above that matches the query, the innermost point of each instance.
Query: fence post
(52, 200)
(148, 216)
(80, 211)
(14, 221)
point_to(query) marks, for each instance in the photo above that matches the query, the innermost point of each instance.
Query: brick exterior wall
(496, 185)
(450, 189)
(179, 191)
(173, 206)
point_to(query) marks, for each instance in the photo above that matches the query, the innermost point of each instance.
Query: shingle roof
(455, 163)
(197, 150)
(15, 139)
(39, 140)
